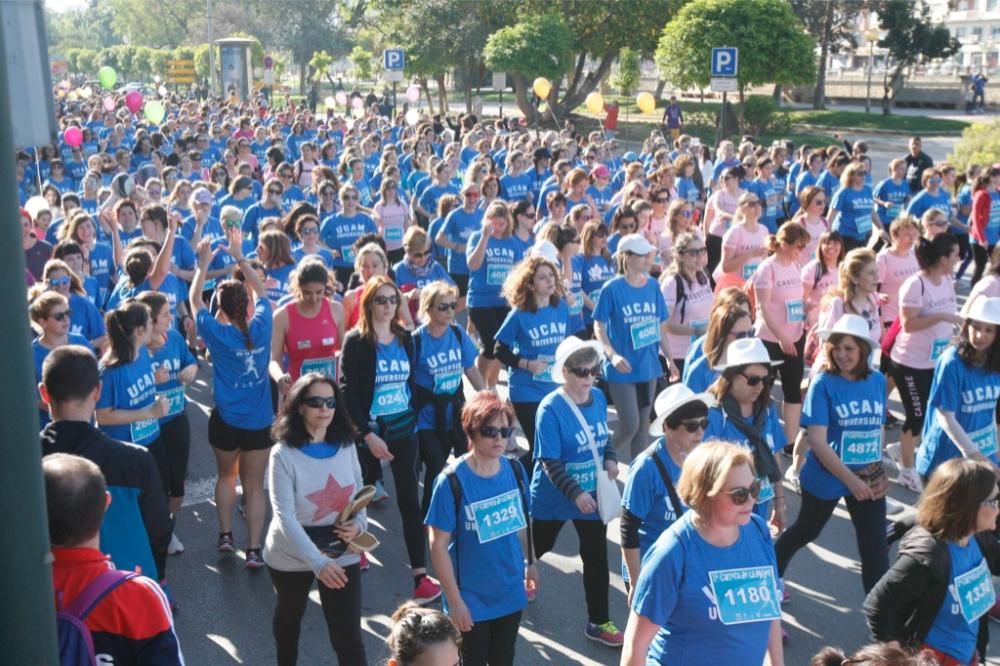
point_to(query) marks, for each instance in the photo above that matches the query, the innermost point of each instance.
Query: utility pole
(211, 51)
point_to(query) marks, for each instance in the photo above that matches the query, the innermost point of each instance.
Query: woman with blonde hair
(744, 245)
(852, 209)
(392, 215)
(688, 294)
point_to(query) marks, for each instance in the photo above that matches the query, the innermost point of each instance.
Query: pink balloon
(133, 101)
(358, 103)
(108, 103)
(341, 98)
(73, 136)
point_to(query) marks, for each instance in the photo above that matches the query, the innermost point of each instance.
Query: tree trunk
(660, 85)
(442, 94)
(819, 94)
(427, 93)
(576, 94)
(741, 121)
(303, 66)
(523, 101)
(776, 95)
(890, 85)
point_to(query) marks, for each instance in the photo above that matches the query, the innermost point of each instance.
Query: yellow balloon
(330, 102)
(595, 102)
(542, 87)
(646, 102)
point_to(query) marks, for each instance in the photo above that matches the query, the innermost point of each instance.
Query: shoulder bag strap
(671, 491)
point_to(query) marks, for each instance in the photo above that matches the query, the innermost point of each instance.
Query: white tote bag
(609, 498)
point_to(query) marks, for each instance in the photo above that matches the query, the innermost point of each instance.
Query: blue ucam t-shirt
(323, 254)
(392, 372)
(406, 279)
(485, 548)
(970, 595)
(559, 436)
(174, 355)
(130, 386)
(575, 287)
(828, 182)
(339, 233)
(596, 272)
(646, 497)
(86, 320)
(770, 198)
(172, 287)
(698, 374)
(855, 207)
(688, 190)
(515, 188)
(924, 201)
(632, 317)
(971, 394)
(715, 604)
(720, 427)
(459, 225)
(240, 383)
(486, 281)
(102, 265)
(853, 413)
(441, 362)
(896, 194)
(534, 336)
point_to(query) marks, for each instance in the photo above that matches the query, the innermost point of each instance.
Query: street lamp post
(871, 35)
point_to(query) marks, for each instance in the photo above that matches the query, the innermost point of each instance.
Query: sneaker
(380, 494)
(792, 479)
(530, 591)
(784, 636)
(994, 612)
(606, 633)
(254, 559)
(892, 506)
(175, 547)
(787, 450)
(226, 543)
(909, 479)
(364, 564)
(427, 591)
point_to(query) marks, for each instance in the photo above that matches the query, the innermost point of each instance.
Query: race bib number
(975, 592)
(593, 296)
(495, 275)
(985, 440)
(771, 210)
(144, 429)
(389, 399)
(446, 383)
(745, 595)
(584, 474)
(498, 516)
(994, 221)
(795, 311)
(937, 348)
(699, 326)
(394, 234)
(894, 212)
(546, 374)
(175, 400)
(347, 253)
(861, 448)
(749, 269)
(645, 333)
(864, 224)
(766, 490)
(577, 306)
(325, 366)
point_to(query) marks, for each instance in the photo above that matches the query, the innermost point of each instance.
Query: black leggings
(914, 386)
(790, 371)
(713, 244)
(404, 476)
(981, 255)
(434, 449)
(852, 243)
(526, 413)
(341, 608)
(869, 528)
(491, 642)
(171, 451)
(593, 535)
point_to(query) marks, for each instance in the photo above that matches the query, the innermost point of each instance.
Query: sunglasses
(819, 202)
(59, 282)
(693, 425)
(316, 402)
(493, 432)
(755, 380)
(276, 193)
(444, 307)
(627, 227)
(742, 334)
(601, 233)
(661, 199)
(419, 255)
(471, 195)
(742, 495)
(61, 316)
(310, 231)
(386, 300)
(583, 373)
(350, 197)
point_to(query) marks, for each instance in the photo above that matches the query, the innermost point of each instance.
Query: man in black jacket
(917, 161)
(137, 526)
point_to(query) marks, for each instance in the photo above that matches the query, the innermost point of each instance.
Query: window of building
(995, 32)
(977, 33)
(991, 5)
(961, 31)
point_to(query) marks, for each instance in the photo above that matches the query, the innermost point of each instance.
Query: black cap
(542, 154)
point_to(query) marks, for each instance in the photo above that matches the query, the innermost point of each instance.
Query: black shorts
(462, 282)
(171, 451)
(226, 437)
(791, 370)
(487, 322)
(914, 386)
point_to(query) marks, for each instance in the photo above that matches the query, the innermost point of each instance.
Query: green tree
(320, 65)
(537, 46)
(980, 144)
(303, 27)
(910, 37)
(158, 24)
(832, 24)
(361, 58)
(89, 26)
(773, 44)
(86, 62)
(629, 71)
(202, 62)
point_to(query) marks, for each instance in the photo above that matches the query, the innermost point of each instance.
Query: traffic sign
(180, 71)
(393, 75)
(725, 61)
(393, 60)
(723, 84)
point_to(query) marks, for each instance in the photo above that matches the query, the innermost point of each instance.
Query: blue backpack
(76, 645)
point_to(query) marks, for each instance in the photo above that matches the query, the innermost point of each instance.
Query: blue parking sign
(724, 61)
(393, 59)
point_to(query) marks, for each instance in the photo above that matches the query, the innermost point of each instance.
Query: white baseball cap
(636, 244)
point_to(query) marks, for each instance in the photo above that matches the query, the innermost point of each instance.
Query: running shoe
(606, 633)
(530, 591)
(892, 506)
(175, 547)
(380, 494)
(427, 591)
(792, 478)
(254, 559)
(226, 543)
(909, 479)
(364, 564)
(787, 450)
(784, 636)
(994, 612)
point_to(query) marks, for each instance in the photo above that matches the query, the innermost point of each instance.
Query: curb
(864, 130)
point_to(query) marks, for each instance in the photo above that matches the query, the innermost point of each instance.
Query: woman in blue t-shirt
(85, 319)
(418, 268)
(708, 591)
(528, 338)
(239, 428)
(598, 268)
(844, 414)
(571, 440)
(480, 541)
(630, 322)
(340, 231)
(852, 210)
(274, 250)
(649, 502)
(961, 409)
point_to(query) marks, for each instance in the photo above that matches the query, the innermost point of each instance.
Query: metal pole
(211, 51)
(501, 102)
(393, 101)
(868, 91)
(27, 616)
(722, 121)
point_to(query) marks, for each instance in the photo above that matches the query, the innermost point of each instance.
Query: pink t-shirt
(393, 217)
(696, 306)
(892, 273)
(785, 306)
(815, 229)
(827, 280)
(666, 242)
(921, 349)
(738, 240)
(834, 310)
(717, 225)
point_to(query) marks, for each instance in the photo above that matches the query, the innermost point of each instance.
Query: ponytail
(234, 301)
(122, 324)
(137, 266)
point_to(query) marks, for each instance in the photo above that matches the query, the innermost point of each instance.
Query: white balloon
(163, 91)
(412, 117)
(156, 79)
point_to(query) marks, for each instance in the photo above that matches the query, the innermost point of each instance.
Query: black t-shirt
(915, 167)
